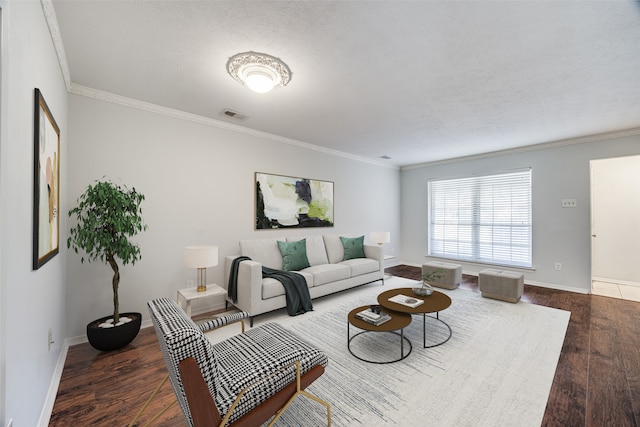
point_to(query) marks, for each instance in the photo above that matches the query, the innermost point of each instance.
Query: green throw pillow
(353, 247)
(294, 255)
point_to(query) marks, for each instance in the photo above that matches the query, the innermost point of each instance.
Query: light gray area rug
(496, 370)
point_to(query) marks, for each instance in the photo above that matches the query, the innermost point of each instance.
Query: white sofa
(328, 272)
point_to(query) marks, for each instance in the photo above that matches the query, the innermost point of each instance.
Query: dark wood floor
(597, 382)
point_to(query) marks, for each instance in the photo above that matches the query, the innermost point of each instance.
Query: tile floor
(614, 290)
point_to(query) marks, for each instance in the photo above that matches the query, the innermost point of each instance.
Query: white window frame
(482, 219)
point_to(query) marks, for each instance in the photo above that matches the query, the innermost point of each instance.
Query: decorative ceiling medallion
(258, 71)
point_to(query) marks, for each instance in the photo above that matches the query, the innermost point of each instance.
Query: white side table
(386, 257)
(190, 294)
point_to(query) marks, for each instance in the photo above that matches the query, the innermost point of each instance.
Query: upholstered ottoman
(502, 285)
(451, 274)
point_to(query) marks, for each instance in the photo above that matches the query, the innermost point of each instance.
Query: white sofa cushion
(273, 288)
(327, 273)
(360, 266)
(335, 250)
(316, 252)
(264, 251)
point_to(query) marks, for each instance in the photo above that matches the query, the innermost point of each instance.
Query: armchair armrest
(205, 412)
(294, 389)
(219, 322)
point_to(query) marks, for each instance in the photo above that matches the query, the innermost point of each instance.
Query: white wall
(199, 186)
(198, 180)
(615, 217)
(559, 234)
(32, 301)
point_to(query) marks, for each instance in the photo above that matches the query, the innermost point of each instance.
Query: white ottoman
(451, 273)
(502, 285)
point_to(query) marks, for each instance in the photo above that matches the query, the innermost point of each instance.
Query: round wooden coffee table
(433, 303)
(397, 323)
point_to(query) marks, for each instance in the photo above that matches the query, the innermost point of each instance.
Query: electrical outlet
(190, 283)
(569, 203)
(558, 266)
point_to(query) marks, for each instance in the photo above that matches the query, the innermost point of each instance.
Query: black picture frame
(46, 183)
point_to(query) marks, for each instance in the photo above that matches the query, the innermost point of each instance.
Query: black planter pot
(108, 339)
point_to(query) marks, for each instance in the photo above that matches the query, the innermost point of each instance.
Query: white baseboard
(558, 287)
(47, 408)
(527, 282)
(615, 282)
(145, 324)
(410, 264)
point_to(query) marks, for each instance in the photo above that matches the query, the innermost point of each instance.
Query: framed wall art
(46, 183)
(291, 202)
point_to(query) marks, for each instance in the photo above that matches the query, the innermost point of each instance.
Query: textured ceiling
(418, 81)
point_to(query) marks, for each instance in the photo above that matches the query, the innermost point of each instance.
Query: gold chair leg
(146, 404)
(310, 396)
(159, 414)
(281, 411)
(304, 393)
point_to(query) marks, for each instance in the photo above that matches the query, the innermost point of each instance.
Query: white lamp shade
(380, 237)
(200, 256)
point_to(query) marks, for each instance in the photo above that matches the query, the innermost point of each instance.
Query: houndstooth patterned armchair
(249, 377)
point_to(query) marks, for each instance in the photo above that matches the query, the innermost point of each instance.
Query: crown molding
(543, 146)
(52, 22)
(207, 121)
(54, 30)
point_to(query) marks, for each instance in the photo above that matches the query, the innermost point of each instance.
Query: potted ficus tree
(107, 215)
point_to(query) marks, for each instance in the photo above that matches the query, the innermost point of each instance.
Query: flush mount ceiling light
(258, 71)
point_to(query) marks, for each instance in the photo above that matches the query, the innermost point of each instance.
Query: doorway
(615, 227)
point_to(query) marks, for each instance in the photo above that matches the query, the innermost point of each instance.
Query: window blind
(483, 219)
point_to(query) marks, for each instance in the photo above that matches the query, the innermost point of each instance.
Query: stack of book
(405, 300)
(373, 318)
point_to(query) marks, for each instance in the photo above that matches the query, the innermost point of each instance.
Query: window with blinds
(482, 219)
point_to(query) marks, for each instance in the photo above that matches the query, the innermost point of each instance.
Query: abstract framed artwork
(291, 202)
(46, 183)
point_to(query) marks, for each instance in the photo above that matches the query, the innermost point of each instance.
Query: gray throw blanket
(295, 287)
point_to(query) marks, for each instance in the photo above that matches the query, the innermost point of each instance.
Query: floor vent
(233, 115)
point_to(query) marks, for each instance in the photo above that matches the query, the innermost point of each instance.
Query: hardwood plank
(609, 402)
(629, 332)
(566, 404)
(597, 380)
(107, 389)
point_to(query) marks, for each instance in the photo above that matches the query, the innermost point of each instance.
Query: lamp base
(201, 288)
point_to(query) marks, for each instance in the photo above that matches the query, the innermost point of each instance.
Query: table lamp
(380, 237)
(201, 257)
